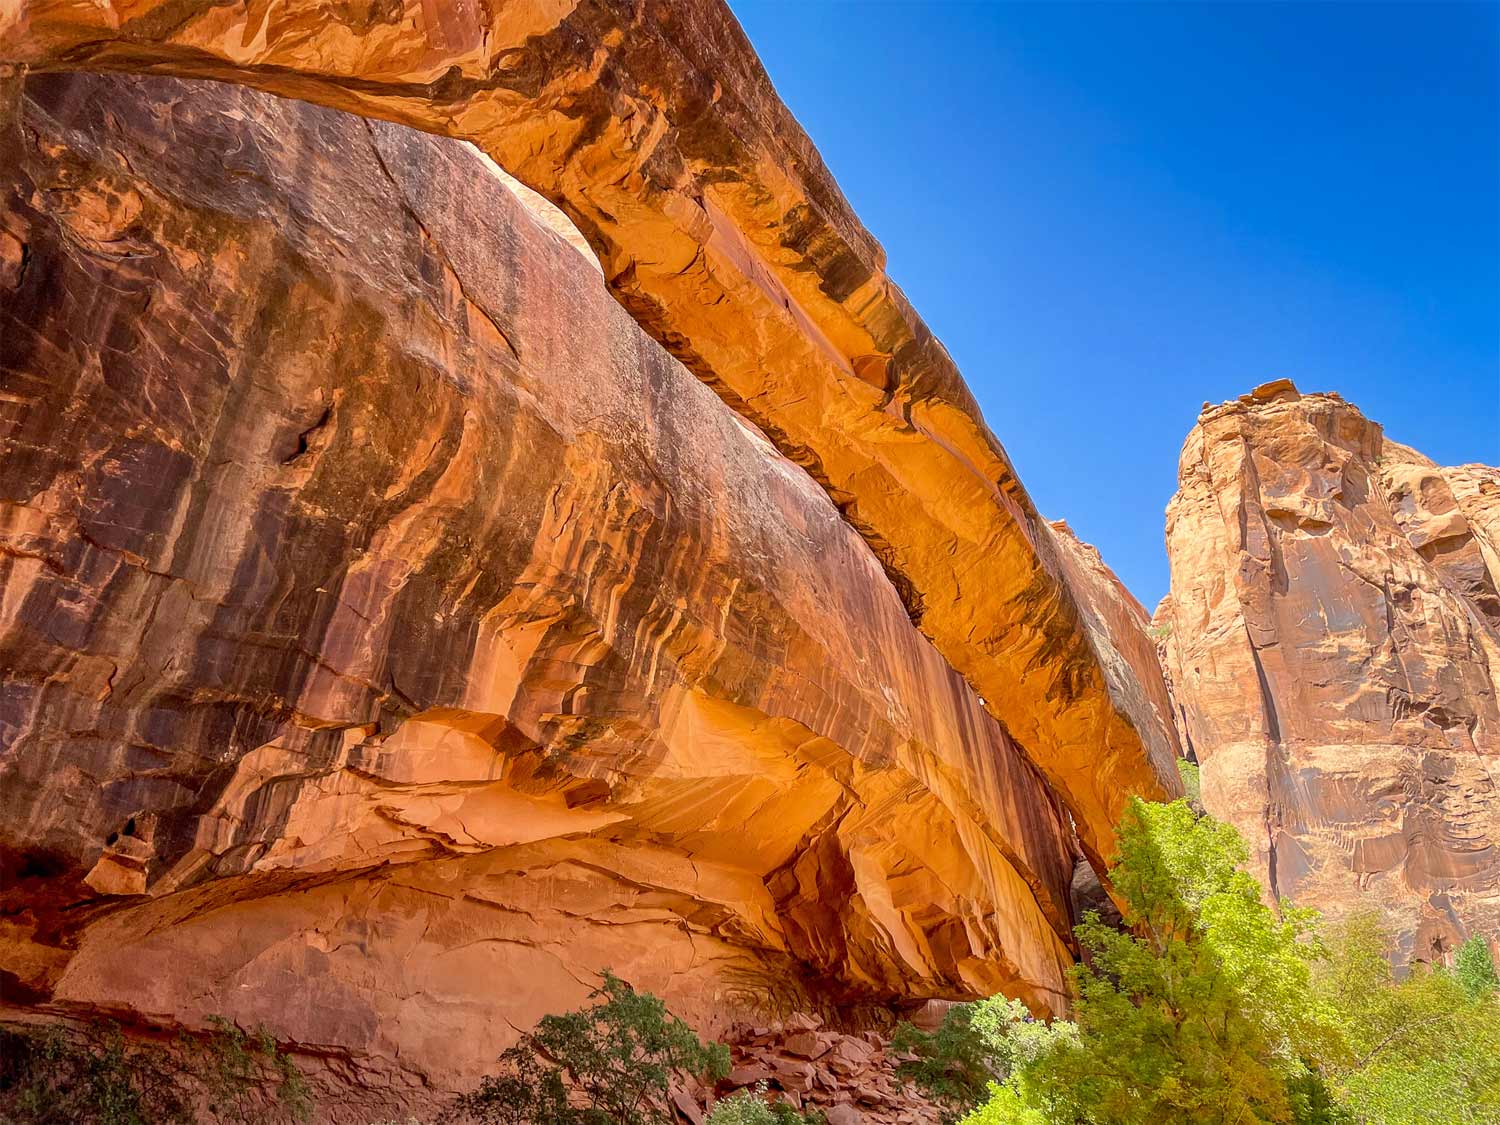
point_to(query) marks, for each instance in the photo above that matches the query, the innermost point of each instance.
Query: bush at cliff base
(612, 1063)
(1210, 1007)
(755, 1107)
(64, 1075)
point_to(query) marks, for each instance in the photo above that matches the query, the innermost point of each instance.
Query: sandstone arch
(653, 127)
(393, 634)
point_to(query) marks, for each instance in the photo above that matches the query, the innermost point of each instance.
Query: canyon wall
(415, 599)
(654, 128)
(1332, 639)
(393, 635)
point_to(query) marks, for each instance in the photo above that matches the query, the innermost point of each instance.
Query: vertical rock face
(393, 634)
(1120, 623)
(1333, 641)
(653, 126)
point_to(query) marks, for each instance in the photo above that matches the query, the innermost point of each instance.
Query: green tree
(977, 1047)
(1420, 1051)
(1202, 1010)
(608, 1064)
(952, 1065)
(1475, 968)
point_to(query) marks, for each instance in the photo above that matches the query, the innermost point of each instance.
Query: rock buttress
(1332, 638)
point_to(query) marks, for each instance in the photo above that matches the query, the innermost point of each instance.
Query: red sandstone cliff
(1333, 640)
(392, 612)
(386, 611)
(393, 635)
(654, 127)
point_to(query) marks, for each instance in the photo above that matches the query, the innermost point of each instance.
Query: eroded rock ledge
(394, 634)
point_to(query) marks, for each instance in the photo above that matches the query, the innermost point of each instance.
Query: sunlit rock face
(1122, 628)
(652, 124)
(1332, 638)
(393, 634)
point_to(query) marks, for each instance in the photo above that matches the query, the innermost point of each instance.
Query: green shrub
(1475, 968)
(51, 1076)
(1006, 1106)
(608, 1064)
(239, 1070)
(57, 1076)
(1192, 784)
(750, 1107)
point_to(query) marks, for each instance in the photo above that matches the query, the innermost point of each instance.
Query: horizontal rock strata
(653, 126)
(393, 635)
(1333, 636)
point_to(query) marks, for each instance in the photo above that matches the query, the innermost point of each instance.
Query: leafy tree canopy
(1202, 1009)
(1211, 1007)
(1419, 1051)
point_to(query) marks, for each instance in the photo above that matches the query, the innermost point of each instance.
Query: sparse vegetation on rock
(754, 1107)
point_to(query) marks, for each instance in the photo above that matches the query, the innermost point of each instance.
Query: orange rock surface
(394, 635)
(1332, 637)
(654, 128)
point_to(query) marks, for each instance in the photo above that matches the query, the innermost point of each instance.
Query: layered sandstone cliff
(1333, 642)
(393, 635)
(653, 126)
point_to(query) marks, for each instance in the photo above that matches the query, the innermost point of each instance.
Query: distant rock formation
(1333, 639)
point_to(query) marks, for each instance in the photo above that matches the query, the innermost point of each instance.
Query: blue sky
(1113, 212)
